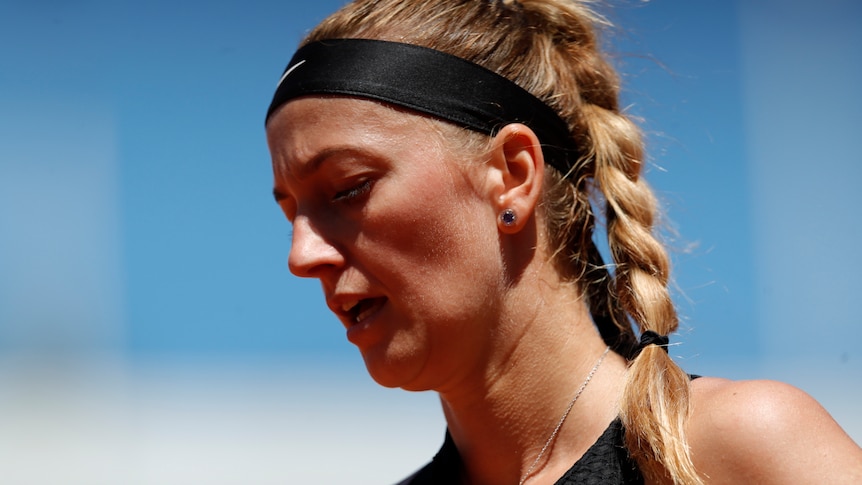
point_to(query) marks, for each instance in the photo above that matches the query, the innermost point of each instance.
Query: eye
(354, 192)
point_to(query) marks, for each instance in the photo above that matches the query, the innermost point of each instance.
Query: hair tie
(649, 338)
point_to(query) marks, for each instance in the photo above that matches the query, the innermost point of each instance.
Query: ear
(517, 175)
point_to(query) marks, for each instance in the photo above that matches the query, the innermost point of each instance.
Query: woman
(440, 162)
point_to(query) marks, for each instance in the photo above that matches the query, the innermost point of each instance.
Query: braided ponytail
(655, 401)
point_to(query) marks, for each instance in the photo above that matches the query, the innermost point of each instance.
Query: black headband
(424, 80)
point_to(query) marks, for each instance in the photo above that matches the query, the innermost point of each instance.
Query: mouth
(359, 310)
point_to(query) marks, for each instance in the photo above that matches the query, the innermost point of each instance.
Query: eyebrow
(318, 160)
(278, 195)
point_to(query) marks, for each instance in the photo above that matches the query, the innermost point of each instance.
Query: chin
(392, 371)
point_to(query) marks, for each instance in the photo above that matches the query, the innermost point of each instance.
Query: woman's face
(401, 233)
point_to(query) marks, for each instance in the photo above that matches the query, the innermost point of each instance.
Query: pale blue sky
(135, 182)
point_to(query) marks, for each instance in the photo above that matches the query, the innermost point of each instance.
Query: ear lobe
(517, 156)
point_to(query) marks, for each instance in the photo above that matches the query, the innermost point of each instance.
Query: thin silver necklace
(565, 415)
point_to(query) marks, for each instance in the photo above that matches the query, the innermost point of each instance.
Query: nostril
(301, 263)
(311, 252)
(313, 269)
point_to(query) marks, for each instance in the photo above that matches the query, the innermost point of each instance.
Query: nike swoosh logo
(287, 72)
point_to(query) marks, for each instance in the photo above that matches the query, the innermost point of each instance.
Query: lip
(361, 332)
(356, 311)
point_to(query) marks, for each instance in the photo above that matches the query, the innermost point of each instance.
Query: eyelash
(354, 192)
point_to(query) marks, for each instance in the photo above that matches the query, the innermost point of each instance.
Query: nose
(310, 252)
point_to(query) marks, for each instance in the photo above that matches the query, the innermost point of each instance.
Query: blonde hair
(550, 48)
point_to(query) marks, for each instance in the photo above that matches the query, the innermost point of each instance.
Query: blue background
(146, 310)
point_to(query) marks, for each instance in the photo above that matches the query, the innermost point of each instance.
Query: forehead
(305, 126)
(345, 114)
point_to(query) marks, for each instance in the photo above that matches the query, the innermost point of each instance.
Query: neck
(502, 415)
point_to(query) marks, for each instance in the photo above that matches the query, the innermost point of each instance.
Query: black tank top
(606, 462)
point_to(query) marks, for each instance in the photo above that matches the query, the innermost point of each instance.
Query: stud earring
(508, 217)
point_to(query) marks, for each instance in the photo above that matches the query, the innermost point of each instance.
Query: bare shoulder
(767, 432)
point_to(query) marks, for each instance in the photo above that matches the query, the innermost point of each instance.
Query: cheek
(428, 233)
(442, 247)
(435, 222)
